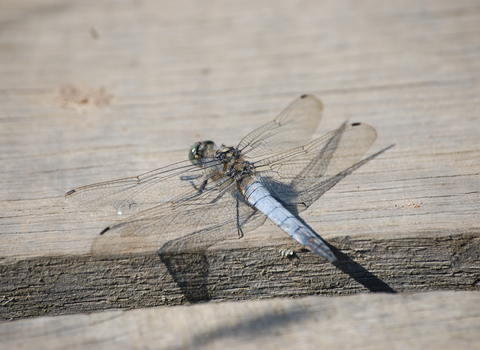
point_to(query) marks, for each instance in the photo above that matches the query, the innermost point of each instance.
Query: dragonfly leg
(239, 226)
(240, 233)
(194, 177)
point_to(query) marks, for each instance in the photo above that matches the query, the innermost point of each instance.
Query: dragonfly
(226, 192)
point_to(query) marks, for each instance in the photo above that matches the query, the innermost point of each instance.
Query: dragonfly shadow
(345, 263)
(190, 271)
(359, 273)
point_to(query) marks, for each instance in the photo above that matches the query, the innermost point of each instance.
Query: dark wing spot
(69, 193)
(356, 124)
(303, 96)
(105, 230)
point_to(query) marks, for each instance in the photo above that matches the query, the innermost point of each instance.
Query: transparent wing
(292, 128)
(138, 193)
(218, 213)
(298, 177)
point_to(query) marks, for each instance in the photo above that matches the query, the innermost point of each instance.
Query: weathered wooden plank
(96, 91)
(59, 285)
(433, 320)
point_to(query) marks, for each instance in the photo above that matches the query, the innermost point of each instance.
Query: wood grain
(93, 91)
(432, 320)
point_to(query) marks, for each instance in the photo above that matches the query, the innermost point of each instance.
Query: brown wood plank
(95, 91)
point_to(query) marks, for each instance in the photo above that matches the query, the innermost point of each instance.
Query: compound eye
(193, 154)
(200, 150)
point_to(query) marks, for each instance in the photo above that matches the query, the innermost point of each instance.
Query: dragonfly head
(201, 150)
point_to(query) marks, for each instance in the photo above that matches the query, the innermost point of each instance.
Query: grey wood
(432, 320)
(92, 91)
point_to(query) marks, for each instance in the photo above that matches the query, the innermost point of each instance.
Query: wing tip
(366, 127)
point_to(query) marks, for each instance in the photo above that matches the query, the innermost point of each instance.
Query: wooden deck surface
(95, 90)
(432, 320)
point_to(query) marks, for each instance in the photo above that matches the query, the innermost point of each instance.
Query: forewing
(300, 176)
(138, 193)
(217, 213)
(292, 128)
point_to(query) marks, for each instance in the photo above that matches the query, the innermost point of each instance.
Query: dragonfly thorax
(235, 166)
(226, 154)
